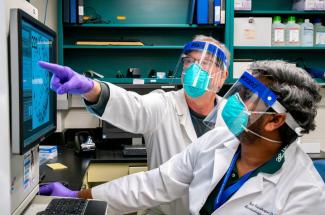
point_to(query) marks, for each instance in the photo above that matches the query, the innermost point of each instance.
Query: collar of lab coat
(183, 112)
(223, 157)
(255, 184)
(289, 158)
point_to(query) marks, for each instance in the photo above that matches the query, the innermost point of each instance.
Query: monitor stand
(24, 176)
(23, 206)
(38, 204)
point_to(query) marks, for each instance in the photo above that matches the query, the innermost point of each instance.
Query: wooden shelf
(120, 47)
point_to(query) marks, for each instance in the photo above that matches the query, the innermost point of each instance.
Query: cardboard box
(47, 153)
(314, 5)
(252, 31)
(243, 4)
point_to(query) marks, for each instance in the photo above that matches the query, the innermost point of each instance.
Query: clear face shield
(200, 67)
(246, 101)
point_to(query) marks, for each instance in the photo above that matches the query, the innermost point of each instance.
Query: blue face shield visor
(246, 101)
(201, 67)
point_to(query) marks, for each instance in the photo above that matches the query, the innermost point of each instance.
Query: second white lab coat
(296, 188)
(163, 119)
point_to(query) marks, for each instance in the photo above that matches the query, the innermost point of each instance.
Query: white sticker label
(243, 4)
(81, 10)
(310, 4)
(279, 35)
(217, 14)
(29, 163)
(293, 35)
(167, 87)
(138, 81)
(320, 38)
(319, 4)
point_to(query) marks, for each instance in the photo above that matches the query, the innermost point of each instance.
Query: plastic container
(278, 32)
(319, 35)
(292, 37)
(307, 33)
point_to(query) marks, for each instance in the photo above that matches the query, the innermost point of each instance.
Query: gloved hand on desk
(65, 80)
(57, 189)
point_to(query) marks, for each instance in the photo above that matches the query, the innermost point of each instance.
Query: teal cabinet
(312, 56)
(163, 27)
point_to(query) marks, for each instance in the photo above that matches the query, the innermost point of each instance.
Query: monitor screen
(33, 102)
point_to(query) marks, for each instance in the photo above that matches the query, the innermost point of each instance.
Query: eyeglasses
(205, 62)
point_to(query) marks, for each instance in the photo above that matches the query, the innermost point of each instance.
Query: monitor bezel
(18, 16)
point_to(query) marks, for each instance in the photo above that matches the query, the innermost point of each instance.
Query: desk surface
(38, 204)
(77, 165)
(317, 156)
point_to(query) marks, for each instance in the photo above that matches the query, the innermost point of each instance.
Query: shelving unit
(279, 48)
(121, 47)
(143, 26)
(313, 56)
(164, 34)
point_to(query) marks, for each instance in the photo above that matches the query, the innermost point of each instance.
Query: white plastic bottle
(307, 33)
(292, 31)
(319, 35)
(278, 31)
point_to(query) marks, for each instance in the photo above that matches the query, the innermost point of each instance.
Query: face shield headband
(200, 67)
(244, 103)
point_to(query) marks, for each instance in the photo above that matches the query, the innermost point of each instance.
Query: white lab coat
(296, 188)
(163, 119)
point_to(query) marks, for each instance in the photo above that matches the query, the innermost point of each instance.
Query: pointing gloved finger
(56, 69)
(67, 87)
(55, 83)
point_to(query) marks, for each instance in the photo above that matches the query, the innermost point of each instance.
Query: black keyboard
(65, 206)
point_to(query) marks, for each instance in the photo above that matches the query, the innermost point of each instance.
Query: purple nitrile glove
(56, 189)
(65, 80)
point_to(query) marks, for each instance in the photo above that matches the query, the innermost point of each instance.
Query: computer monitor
(33, 103)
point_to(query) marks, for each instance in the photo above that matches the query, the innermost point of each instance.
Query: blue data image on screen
(36, 80)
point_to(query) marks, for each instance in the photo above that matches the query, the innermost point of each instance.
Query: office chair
(320, 166)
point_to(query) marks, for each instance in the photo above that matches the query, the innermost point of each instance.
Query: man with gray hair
(249, 163)
(168, 121)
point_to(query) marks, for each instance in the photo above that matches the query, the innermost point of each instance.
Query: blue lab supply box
(73, 11)
(202, 11)
(47, 152)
